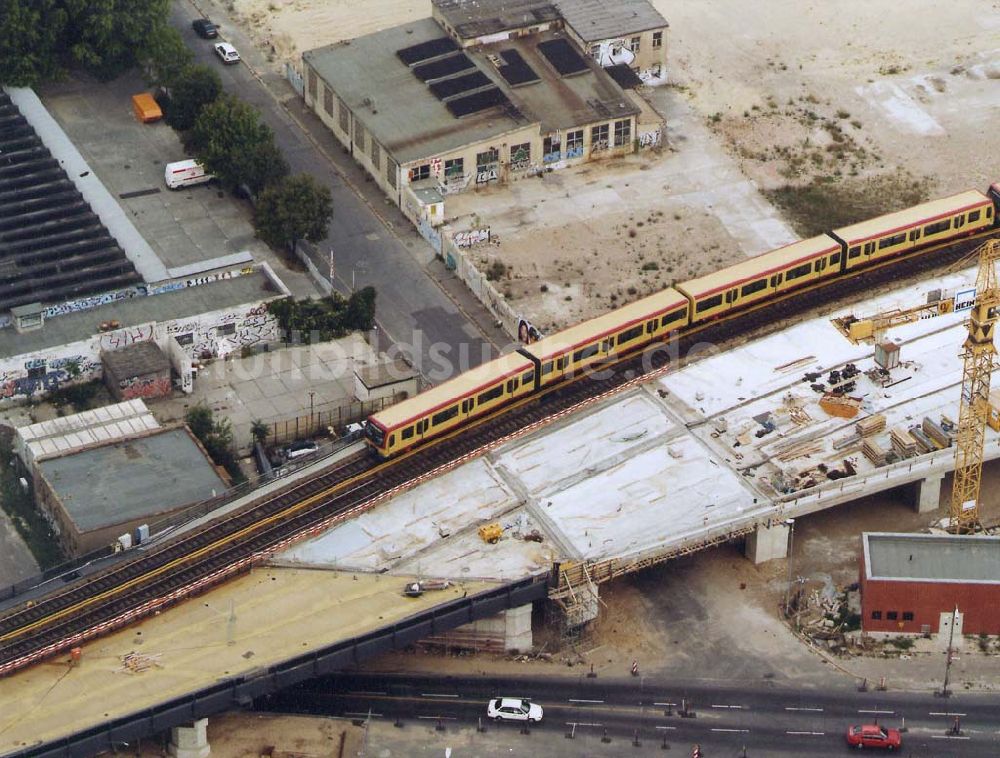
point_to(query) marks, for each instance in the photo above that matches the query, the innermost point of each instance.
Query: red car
(873, 735)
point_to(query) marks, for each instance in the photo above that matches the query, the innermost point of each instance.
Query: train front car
(994, 194)
(606, 338)
(449, 405)
(762, 277)
(932, 223)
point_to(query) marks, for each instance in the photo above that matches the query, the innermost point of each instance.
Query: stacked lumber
(936, 432)
(870, 425)
(903, 442)
(800, 449)
(873, 452)
(841, 406)
(842, 443)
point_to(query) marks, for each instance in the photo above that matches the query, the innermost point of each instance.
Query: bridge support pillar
(767, 543)
(928, 493)
(190, 741)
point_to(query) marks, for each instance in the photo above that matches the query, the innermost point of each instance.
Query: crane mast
(979, 355)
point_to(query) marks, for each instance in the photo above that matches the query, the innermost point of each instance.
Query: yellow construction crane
(872, 329)
(979, 360)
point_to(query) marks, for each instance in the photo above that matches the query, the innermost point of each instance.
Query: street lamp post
(945, 692)
(790, 523)
(311, 422)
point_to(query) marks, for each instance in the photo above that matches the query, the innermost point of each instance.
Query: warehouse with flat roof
(95, 494)
(481, 93)
(925, 583)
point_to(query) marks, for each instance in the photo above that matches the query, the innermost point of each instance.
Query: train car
(762, 277)
(925, 224)
(450, 404)
(624, 329)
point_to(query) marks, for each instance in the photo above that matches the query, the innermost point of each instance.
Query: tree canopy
(196, 87)
(42, 38)
(296, 208)
(231, 143)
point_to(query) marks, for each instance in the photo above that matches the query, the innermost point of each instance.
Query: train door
(819, 265)
(732, 296)
(776, 280)
(467, 405)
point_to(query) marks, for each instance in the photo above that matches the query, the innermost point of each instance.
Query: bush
(496, 271)
(217, 437)
(325, 318)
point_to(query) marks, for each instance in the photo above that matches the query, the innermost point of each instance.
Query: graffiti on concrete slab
(144, 386)
(651, 139)
(471, 237)
(122, 338)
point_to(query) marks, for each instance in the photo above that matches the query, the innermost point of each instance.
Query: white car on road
(226, 52)
(514, 709)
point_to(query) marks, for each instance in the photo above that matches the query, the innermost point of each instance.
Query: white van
(185, 174)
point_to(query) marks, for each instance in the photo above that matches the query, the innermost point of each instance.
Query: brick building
(913, 583)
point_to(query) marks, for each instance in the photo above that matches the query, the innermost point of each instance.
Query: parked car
(353, 432)
(874, 736)
(514, 709)
(205, 28)
(300, 449)
(227, 52)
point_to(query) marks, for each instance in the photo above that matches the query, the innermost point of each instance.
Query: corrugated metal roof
(932, 557)
(596, 20)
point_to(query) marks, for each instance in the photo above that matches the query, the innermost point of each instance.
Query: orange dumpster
(146, 108)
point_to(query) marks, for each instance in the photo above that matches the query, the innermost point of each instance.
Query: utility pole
(947, 666)
(331, 269)
(790, 523)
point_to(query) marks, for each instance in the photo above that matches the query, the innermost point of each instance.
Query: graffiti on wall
(230, 331)
(471, 237)
(122, 338)
(39, 375)
(651, 139)
(144, 386)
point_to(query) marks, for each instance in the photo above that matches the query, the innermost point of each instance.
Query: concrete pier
(768, 542)
(927, 496)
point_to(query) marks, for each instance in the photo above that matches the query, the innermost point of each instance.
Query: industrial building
(925, 583)
(95, 494)
(487, 92)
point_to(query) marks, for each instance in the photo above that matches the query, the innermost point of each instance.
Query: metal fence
(321, 422)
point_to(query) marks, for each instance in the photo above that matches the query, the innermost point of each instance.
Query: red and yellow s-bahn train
(840, 252)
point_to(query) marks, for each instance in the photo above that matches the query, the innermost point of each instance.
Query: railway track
(229, 545)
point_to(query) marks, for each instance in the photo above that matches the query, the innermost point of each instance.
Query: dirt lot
(854, 113)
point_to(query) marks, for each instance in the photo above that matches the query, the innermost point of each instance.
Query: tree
(228, 137)
(196, 87)
(264, 167)
(360, 314)
(108, 36)
(165, 58)
(31, 31)
(199, 420)
(259, 431)
(297, 208)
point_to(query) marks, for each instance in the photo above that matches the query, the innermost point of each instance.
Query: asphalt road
(418, 317)
(723, 720)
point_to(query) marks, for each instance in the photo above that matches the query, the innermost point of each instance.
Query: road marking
(572, 700)
(948, 737)
(439, 718)
(667, 728)
(581, 723)
(812, 734)
(363, 692)
(944, 713)
(734, 707)
(435, 694)
(811, 710)
(664, 703)
(885, 713)
(364, 715)
(740, 731)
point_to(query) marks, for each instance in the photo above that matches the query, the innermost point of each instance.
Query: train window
(585, 353)
(630, 334)
(708, 303)
(446, 415)
(869, 248)
(973, 216)
(491, 394)
(798, 271)
(651, 326)
(914, 235)
(528, 376)
(854, 252)
(407, 433)
(989, 212)
(375, 434)
(392, 440)
(675, 316)
(834, 259)
(561, 363)
(756, 286)
(546, 368)
(940, 226)
(891, 241)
